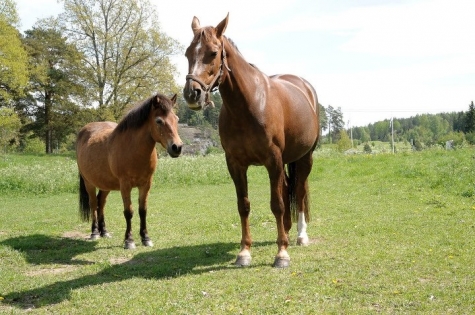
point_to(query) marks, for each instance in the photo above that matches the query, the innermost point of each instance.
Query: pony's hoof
(93, 237)
(147, 243)
(129, 245)
(243, 261)
(280, 262)
(302, 241)
(105, 235)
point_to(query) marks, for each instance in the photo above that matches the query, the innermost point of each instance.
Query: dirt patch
(120, 260)
(51, 271)
(75, 235)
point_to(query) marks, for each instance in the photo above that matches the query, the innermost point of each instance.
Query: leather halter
(212, 86)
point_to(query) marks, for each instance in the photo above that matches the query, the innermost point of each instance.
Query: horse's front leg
(143, 195)
(125, 190)
(277, 204)
(239, 175)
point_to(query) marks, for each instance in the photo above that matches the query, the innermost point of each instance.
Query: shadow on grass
(157, 264)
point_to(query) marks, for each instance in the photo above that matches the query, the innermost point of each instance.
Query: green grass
(390, 234)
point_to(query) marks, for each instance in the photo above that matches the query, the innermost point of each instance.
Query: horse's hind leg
(143, 195)
(101, 203)
(93, 202)
(303, 169)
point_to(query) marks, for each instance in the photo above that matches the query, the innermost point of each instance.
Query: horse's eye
(214, 53)
(159, 121)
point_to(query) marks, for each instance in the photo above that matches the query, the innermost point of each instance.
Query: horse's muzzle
(194, 95)
(174, 150)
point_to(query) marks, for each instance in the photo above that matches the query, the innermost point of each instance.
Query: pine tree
(470, 119)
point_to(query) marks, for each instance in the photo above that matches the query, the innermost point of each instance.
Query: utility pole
(351, 133)
(392, 132)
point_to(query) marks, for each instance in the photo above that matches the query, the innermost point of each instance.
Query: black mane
(138, 115)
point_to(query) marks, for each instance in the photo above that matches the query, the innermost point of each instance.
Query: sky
(374, 59)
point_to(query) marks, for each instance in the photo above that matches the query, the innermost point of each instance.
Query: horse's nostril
(197, 93)
(176, 148)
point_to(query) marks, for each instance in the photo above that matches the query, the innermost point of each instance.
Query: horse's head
(165, 125)
(206, 60)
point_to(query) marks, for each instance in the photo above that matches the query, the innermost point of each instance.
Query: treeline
(424, 129)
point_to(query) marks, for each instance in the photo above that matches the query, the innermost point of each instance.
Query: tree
(126, 56)
(344, 143)
(13, 58)
(335, 122)
(9, 13)
(9, 125)
(323, 117)
(470, 119)
(53, 83)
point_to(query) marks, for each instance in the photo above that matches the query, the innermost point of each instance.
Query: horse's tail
(84, 209)
(292, 193)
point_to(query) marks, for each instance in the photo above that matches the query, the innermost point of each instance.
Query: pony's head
(206, 63)
(164, 128)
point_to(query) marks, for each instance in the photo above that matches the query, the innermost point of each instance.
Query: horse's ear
(157, 101)
(173, 99)
(222, 26)
(195, 25)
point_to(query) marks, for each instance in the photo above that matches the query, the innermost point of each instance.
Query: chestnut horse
(121, 156)
(270, 121)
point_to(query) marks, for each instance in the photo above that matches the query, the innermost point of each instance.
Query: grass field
(391, 234)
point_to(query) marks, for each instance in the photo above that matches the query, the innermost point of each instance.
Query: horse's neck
(138, 141)
(239, 87)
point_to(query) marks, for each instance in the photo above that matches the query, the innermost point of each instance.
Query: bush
(33, 146)
(367, 148)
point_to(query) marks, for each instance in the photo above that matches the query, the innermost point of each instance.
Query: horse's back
(92, 154)
(95, 131)
(290, 82)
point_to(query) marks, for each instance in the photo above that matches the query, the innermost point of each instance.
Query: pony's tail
(291, 189)
(84, 209)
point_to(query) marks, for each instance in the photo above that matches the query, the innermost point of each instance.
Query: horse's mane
(138, 115)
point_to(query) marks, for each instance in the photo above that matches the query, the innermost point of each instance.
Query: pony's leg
(239, 175)
(91, 191)
(143, 195)
(304, 167)
(277, 203)
(125, 190)
(101, 200)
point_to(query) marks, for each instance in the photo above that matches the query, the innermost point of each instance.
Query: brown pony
(121, 156)
(270, 121)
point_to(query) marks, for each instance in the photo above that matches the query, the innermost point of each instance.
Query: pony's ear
(222, 26)
(195, 25)
(173, 99)
(157, 101)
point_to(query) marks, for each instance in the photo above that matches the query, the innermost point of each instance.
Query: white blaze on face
(196, 65)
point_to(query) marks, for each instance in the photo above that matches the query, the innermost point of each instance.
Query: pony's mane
(138, 115)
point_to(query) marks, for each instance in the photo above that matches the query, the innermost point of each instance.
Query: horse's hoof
(105, 235)
(129, 245)
(93, 237)
(302, 241)
(147, 243)
(243, 261)
(280, 262)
